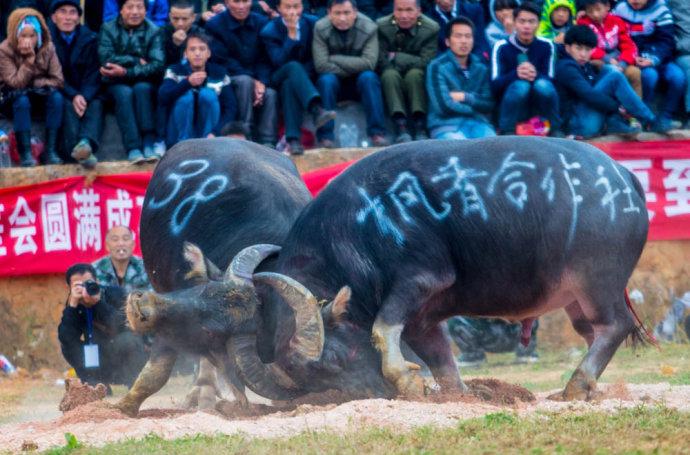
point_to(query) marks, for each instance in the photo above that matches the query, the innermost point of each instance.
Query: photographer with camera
(93, 336)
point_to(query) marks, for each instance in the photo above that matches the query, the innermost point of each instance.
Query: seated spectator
(121, 267)
(681, 15)
(477, 336)
(93, 335)
(345, 51)
(236, 45)
(131, 53)
(408, 40)
(77, 50)
(557, 16)
(443, 11)
(651, 27)
(522, 74)
(458, 84)
(156, 11)
(182, 22)
(615, 48)
(288, 41)
(501, 25)
(31, 75)
(198, 94)
(593, 97)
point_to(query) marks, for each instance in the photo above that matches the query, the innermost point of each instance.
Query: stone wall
(30, 307)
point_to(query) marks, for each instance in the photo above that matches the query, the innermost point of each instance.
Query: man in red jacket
(615, 48)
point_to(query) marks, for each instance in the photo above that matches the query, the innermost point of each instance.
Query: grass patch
(635, 366)
(632, 431)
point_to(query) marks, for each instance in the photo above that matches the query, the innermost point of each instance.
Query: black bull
(506, 227)
(221, 195)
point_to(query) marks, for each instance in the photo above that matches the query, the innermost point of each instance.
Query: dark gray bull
(506, 227)
(212, 197)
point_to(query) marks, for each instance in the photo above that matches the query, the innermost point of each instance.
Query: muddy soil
(96, 423)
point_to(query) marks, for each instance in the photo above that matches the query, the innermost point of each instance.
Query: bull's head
(206, 313)
(324, 351)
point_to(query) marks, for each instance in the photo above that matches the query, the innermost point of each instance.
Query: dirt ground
(96, 425)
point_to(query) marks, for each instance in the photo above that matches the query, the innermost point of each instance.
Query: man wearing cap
(77, 50)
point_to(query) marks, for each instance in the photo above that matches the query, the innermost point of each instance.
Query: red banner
(47, 227)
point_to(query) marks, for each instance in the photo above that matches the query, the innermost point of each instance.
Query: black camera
(92, 287)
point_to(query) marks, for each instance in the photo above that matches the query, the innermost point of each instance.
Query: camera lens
(92, 287)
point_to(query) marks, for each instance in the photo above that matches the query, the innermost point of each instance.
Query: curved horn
(307, 342)
(243, 264)
(266, 380)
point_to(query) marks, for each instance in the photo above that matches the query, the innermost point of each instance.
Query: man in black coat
(77, 50)
(92, 333)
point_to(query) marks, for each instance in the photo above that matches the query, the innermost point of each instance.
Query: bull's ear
(201, 268)
(335, 310)
(198, 272)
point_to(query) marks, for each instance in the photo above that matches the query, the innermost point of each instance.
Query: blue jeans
(684, 63)
(522, 99)
(21, 108)
(194, 115)
(675, 86)
(587, 121)
(368, 86)
(466, 128)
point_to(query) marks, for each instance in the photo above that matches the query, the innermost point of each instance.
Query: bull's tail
(640, 334)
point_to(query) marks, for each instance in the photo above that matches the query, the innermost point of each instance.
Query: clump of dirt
(486, 390)
(500, 393)
(78, 394)
(94, 411)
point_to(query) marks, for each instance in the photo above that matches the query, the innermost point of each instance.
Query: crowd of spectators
(449, 69)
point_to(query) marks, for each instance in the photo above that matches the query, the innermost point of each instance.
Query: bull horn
(242, 267)
(267, 380)
(307, 342)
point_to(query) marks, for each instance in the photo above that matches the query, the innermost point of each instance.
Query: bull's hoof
(575, 394)
(581, 387)
(127, 409)
(207, 397)
(230, 408)
(411, 385)
(191, 401)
